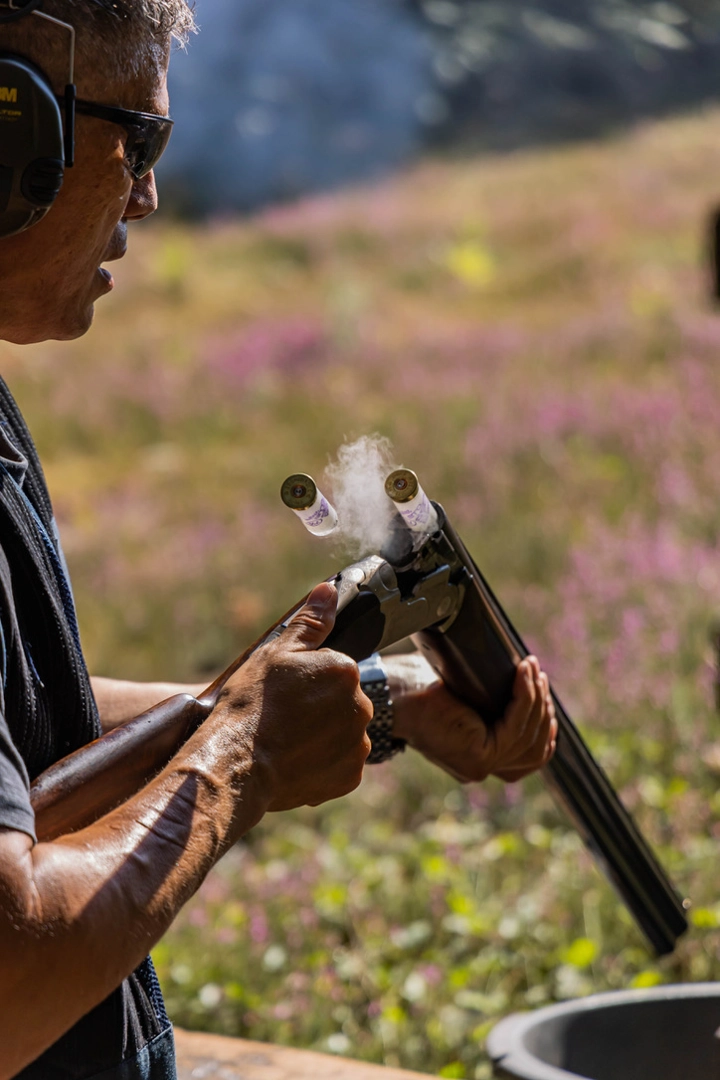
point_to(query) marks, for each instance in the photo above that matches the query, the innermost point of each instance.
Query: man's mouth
(114, 253)
(111, 255)
(117, 244)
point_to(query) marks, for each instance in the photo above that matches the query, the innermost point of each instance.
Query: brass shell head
(299, 491)
(402, 485)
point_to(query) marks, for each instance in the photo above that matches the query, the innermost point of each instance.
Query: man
(78, 915)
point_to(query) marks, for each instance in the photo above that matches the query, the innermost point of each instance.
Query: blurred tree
(509, 73)
(280, 97)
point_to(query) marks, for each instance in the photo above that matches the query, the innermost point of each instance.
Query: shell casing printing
(301, 494)
(411, 502)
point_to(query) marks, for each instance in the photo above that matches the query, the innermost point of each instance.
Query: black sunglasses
(147, 134)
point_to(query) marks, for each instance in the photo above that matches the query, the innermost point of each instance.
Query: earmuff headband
(13, 10)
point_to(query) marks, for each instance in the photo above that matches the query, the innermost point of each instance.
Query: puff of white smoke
(357, 480)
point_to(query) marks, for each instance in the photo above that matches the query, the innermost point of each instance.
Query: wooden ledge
(216, 1057)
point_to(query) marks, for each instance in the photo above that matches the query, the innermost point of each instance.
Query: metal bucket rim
(506, 1042)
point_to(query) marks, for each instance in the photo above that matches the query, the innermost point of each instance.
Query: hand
(452, 735)
(308, 713)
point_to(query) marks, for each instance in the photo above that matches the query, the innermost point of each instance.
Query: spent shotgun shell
(411, 502)
(301, 494)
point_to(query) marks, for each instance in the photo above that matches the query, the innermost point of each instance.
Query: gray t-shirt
(15, 809)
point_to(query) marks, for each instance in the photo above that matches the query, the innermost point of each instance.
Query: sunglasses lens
(145, 146)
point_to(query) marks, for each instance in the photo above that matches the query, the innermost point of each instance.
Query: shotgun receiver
(433, 592)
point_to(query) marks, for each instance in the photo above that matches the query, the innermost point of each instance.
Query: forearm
(77, 914)
(81, 912)
(119, 700)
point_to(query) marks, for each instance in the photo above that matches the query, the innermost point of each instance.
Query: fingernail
(323, 598)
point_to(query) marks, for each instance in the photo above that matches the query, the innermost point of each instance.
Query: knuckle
(476, 772)
(352, 778)
(355, 780)
(349, 673)
(341, 667)
(365, 707)
(308, 620)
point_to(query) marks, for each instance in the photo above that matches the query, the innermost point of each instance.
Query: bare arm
(79, 913)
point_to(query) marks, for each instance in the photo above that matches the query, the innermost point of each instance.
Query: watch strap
(374, 683)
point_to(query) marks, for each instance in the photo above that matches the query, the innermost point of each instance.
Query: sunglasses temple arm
(69, 140)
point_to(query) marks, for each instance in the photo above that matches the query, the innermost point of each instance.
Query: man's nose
(143, 199)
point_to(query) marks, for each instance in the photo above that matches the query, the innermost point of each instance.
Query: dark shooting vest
(50, 711)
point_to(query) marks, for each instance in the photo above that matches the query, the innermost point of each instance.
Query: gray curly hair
(120, 32)
(166, 17)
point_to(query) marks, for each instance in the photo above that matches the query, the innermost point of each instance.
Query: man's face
(53, 273)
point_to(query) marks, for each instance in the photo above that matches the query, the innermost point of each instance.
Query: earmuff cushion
(31, 145)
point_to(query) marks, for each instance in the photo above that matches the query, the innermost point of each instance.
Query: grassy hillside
(534, 334)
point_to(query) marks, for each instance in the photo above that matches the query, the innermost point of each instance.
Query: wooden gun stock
(83, 786)
(80, 788)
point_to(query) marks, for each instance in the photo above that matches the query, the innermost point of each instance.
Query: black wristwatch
(374, 683)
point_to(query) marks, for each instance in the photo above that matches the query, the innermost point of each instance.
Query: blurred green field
(534, 334)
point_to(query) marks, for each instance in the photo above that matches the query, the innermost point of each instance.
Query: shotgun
(424, 586)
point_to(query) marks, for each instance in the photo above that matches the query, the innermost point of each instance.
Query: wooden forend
(216, 1057)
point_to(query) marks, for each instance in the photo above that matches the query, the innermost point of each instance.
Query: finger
(314, 621)
(527, 750)
(547, 734)
(531, 748)
(365, 708)
(509, 733)
(553, 733)
(554, 728)
(543, 728)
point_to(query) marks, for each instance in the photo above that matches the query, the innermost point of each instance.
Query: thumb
(315, 619)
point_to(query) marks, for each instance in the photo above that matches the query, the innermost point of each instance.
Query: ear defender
(31, 145)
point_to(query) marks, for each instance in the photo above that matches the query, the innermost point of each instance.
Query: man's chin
(83, 321)
(80, 327)
(61, 329)
(76, 317)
